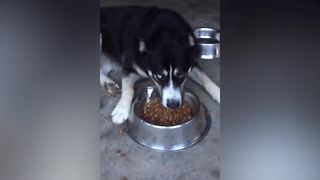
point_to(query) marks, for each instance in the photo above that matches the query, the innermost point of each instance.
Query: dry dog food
(155, 113)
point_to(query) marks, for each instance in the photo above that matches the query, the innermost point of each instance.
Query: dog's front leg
(202, 78)
(122, 109)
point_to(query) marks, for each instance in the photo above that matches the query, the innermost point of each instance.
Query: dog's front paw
(120, 114)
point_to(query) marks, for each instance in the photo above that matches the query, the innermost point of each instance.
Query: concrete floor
(122, 158)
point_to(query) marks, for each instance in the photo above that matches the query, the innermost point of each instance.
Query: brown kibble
(123, 178)
(155, 113)
(118, 151)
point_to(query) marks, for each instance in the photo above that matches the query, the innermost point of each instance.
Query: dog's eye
(181, 75)
(159, 77)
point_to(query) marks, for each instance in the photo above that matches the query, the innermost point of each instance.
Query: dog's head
(168, 57)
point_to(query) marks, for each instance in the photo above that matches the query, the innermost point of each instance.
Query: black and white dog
(148, 42)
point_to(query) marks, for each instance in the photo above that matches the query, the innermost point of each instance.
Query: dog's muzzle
(171, 97)
(171, 103)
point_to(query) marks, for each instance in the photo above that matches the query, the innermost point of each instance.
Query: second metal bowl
(209, 41)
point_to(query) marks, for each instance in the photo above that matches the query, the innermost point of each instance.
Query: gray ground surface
(200, 162)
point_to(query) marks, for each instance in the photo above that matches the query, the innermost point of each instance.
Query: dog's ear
(142, 45)
(191, 40)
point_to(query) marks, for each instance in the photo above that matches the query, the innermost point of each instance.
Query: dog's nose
(173, 104)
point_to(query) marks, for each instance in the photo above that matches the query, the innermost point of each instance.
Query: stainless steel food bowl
(167, 137)
(209, 41)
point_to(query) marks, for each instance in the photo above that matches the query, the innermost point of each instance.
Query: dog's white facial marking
(142, 46)
(175, 72)
(191, 40)
(170, 93)
(165, 72)
(149, 73)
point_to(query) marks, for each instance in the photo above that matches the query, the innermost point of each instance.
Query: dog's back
(118, 25)
(150, 42)
(122, 25)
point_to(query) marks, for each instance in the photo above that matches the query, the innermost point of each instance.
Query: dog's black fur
(154, 43)
(164, 32)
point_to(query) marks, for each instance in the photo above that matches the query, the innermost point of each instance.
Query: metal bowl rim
(209, 43)
(198, 30)
(202, 135)
(205, 28)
